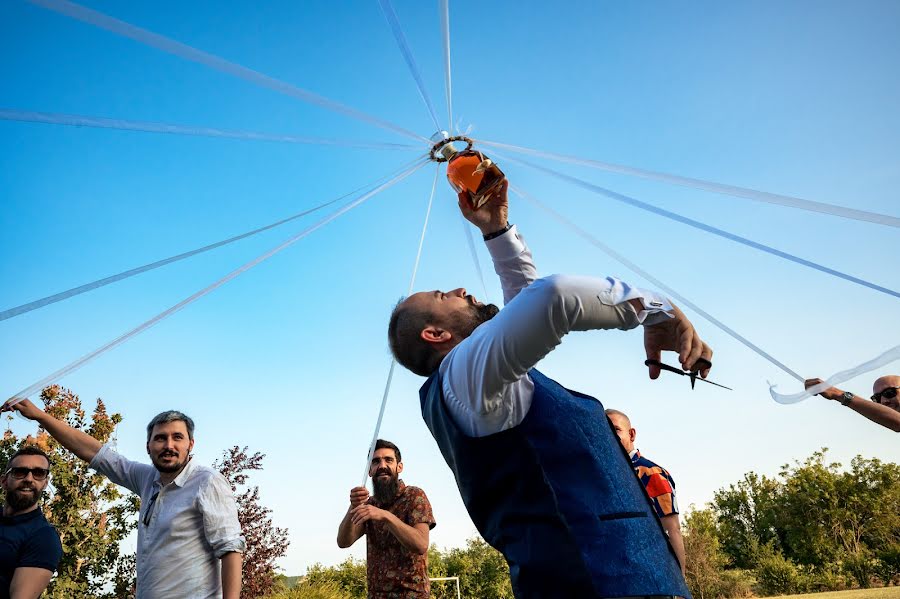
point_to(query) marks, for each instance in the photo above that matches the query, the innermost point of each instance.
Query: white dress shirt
(193, 522)
(484, 379)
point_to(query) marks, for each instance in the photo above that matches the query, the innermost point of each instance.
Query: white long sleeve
(485, 381)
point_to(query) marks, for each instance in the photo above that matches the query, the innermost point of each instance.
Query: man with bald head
(657, 481)
(884, 407)
(538, 467)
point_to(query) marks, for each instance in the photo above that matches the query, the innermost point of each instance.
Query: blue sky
(290, 359)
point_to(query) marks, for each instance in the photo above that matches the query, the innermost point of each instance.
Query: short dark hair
(405, 338)
(171, 416)
(27, 450)
(382, 444)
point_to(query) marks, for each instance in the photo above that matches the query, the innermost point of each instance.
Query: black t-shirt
(26, 541)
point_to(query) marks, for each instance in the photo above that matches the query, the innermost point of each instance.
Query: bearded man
(396, 522)
(541, 472)
(189, 543)
(29, 546)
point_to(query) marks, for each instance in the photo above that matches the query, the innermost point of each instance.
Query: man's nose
(459, 292)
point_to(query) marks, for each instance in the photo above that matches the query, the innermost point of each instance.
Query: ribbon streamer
(838, 378)
(444, 9)
(390, 376)
(707, 228)
(62, 295)
(732, 190)
(77, 120)
(160, 42)
(391, 16)
(55, 376)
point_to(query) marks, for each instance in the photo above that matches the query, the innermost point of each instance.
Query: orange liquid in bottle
(469, 172)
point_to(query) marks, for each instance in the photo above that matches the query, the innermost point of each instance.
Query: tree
(349, 576)
(265, 542)
(482, 570)
(747, 515)
(706, 563)
(90, 514)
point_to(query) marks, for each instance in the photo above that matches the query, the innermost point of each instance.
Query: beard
(385, 489)
(20, 499)
(169, 467)
(465, 324)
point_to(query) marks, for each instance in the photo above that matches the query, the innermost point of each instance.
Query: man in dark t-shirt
(396, 522)
(29, 546)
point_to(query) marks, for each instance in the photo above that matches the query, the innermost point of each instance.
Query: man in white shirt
(541, 473)
(189, 538)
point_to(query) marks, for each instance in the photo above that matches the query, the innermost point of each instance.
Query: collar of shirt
(634, 454)
(182, 477)
(19, 518)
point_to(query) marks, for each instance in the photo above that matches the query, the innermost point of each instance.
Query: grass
(885, 593)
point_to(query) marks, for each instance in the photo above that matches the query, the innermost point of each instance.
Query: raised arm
(875, 412)
(78, 442)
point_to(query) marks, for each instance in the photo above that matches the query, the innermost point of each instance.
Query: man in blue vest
(541, 473)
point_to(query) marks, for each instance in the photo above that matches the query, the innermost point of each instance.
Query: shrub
(861, 567)
(777, 575)
(887, 566)
(313, 590)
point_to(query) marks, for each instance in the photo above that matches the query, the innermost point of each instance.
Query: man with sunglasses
(29, 546)
(884, 408)
(189, 541)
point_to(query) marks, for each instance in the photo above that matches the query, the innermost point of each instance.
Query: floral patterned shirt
(394, 572)
(658, 483)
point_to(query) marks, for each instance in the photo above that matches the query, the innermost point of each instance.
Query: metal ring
(436, 147)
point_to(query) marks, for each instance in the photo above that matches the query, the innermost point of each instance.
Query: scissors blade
(716, 384)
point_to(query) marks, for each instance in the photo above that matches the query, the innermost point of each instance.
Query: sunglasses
(889, 393)
(20, 472)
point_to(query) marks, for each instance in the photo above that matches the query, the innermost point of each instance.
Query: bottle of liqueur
(471, 172)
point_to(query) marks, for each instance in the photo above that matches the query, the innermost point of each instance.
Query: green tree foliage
(817, 526)
(349, 576)
(91, 514)
(706, 562)
(482, 572)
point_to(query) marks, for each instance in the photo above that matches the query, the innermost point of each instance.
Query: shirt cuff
(100, 459)
(657, 308)
(506, 246)
(237, 545)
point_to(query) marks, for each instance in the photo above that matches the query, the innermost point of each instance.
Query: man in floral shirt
(396, 522)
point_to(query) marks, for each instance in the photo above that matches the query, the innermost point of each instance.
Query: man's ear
(399, 467)
(632, 433)
(434, 334)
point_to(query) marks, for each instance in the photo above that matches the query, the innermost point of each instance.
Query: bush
(736, 584)
(777, 575)
(861, 567)
(824, 579)
(887, 566)
(313, 590)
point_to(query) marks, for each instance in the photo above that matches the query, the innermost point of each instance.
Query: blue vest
(558, 497)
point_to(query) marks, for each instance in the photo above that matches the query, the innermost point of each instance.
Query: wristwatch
(846, 398)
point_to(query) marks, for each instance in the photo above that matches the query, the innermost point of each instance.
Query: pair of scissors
(700, 364)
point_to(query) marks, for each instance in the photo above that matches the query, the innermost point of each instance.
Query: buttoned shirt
(192, 522)
(392, 570)
(485, 378)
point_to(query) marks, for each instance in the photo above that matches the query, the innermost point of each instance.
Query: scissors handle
(663, 366)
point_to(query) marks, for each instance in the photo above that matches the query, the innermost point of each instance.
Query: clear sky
(290, 359)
